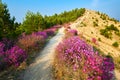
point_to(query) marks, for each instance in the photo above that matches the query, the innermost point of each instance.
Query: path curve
(41, 69)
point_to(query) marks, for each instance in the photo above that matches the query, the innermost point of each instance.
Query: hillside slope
(104, 30)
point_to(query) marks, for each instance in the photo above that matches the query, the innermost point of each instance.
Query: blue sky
(18, 8)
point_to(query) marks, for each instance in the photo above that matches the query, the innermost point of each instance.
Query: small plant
(88, 40)
(98, 12)
(96, 20)
(94, 40)
(117, 62)
(115, 44)
(103, 16)
(83, 24)
(99, 39)
(95, 24)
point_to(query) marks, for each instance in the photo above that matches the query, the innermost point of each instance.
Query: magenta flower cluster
(70, 32)
(50, 31)
(13, 56)
(41, 33)
(73, 31)
(76, 53)
(94, 40)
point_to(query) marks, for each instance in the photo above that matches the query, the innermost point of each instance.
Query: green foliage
(98, 12)
(113, 19)
(103, 16)
(92, 17)
(99, 39)
(95, 24)
(117, 33)
(7, 24)
(107, 32)
(64, 17)
(117, 62)
(96, 20)
(112, 27)
(91, 32)
(35, 22)
(83, 24)
(115, 44)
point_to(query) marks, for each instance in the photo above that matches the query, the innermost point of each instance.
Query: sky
(19, 8)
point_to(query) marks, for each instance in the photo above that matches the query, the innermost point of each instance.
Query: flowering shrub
(7, 43)
(2, 53)
(75, 59)
(50, 32)
(32, 42)
(13, 56)
(1, 48)
(41, 33)
(94, 40)
(70, 33)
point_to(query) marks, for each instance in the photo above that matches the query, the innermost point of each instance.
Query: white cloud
(94, 3)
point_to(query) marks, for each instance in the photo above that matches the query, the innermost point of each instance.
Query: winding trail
(41, 69)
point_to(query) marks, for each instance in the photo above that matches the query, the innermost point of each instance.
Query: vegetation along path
(42, 66)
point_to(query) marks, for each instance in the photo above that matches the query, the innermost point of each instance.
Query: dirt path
(42, 67)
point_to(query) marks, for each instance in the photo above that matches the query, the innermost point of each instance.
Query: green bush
(112, 27)
(98, 12)
(103, 16)
(95, 24)
(117, 33)
(96, 20)
(99, 39)
(113, 19)
(107, 32)
(83, 24)
(115, 44)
